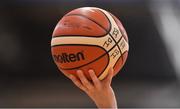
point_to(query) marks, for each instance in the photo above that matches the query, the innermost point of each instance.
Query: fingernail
(91, 70)
(78, 70)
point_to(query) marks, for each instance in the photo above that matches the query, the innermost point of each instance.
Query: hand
(100, 92)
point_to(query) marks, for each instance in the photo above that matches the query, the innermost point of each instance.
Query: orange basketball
(89, 38)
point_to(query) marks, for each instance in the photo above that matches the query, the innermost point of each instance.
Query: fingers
(84, 80)
(94, 78)
(108, 79)
(77, 82)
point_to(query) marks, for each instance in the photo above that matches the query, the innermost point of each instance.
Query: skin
(100, 92)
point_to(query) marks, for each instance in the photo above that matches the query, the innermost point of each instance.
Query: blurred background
(29, 77)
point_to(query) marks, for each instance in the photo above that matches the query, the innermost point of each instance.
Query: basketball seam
(107, 52)
(116, 43)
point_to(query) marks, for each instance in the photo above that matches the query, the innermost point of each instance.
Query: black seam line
(117, 45)
(93, 60)
(110, 30)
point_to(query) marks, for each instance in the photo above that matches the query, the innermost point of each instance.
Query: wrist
(107, 102)
(110, 104)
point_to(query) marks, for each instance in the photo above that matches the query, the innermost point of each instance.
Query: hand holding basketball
(100, 92)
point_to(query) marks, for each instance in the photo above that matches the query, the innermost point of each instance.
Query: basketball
(89, 38)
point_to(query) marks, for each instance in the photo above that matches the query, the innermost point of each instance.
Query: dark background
(29, 77)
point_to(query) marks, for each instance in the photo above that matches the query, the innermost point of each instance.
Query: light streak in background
(167, 19)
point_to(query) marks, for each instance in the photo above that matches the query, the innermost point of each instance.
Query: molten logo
(66, 58)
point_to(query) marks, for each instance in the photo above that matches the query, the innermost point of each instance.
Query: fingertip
(94, 78)
(79, 71)
(91, 72)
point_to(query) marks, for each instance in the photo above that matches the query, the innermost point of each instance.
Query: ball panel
(94, 14)
(74, 56)
(68, 25)
(99, 66)
(120, 63)
(118, 22)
